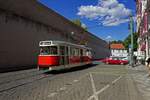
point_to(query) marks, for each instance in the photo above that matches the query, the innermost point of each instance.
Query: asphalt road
(92, 82)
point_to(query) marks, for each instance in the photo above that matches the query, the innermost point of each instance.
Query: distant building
(118, 50)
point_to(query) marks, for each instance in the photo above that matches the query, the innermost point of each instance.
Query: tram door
(63, 55)
(67, 55)
(81, 54)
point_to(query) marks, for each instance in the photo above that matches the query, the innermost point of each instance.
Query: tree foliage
(127, 41)
(79, 23)
(116, 41)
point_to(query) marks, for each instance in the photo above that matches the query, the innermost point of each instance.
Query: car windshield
(124, 58)
(115, 58)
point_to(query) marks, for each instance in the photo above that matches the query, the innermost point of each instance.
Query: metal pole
(131, 32)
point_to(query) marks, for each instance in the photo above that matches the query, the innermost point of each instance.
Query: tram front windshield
(48, 50)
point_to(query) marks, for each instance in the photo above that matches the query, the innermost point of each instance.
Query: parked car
(115, 60)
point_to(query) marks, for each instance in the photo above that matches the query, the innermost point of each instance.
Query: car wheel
(107, 62)
(122, 63)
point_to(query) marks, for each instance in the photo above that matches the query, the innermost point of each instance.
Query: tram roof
(52, 43)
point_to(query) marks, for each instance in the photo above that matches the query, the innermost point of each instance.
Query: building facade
(143, 26)
(118, 50)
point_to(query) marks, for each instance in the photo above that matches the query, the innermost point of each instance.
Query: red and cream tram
(56, 55)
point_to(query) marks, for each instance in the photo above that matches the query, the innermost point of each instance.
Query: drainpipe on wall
(147, 47)
(146, 31)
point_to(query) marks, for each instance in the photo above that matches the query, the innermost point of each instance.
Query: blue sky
(106, 19)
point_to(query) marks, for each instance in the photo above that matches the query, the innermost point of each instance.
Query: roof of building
(117, 46)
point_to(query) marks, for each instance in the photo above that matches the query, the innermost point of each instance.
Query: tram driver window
(44, 50)
(52, 50)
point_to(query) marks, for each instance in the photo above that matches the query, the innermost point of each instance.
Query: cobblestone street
(142, 80)
(97, 82)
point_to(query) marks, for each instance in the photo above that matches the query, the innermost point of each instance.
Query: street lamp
(72, 33)
(69, 36)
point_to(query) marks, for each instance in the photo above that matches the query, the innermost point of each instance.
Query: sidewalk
(142, 80)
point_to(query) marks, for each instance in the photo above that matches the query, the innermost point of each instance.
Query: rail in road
(15, 80)
(98, 82)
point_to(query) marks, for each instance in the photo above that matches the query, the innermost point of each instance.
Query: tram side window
(62, 50)
(52, 50)
(67, 50)
(72, 51)
(77, 52)
(88, 53)
(84, 52)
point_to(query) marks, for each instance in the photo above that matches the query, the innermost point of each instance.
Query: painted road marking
(52, 94)
(113, 82)
(95, 95)
(62, 89)
(93, 87)
(75, 81)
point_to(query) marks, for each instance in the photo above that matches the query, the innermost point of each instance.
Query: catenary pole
(131, 32)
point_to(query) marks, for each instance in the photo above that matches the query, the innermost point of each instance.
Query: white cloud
(108, 3)
(108, 37)
(107, 12)
(92, 11)
(114, 22)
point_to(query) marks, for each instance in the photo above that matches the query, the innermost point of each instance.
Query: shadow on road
(16, 68)
(68, 70)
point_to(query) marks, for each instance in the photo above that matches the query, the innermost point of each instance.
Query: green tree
(127, 41)
(79, 23)
(84, 40)
(116, 41)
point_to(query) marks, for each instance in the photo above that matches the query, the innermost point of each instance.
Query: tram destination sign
(45, 43)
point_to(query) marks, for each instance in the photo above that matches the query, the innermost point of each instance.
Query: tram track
(24, 81)
(28, 78)
(19, 78)
(17, 73)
